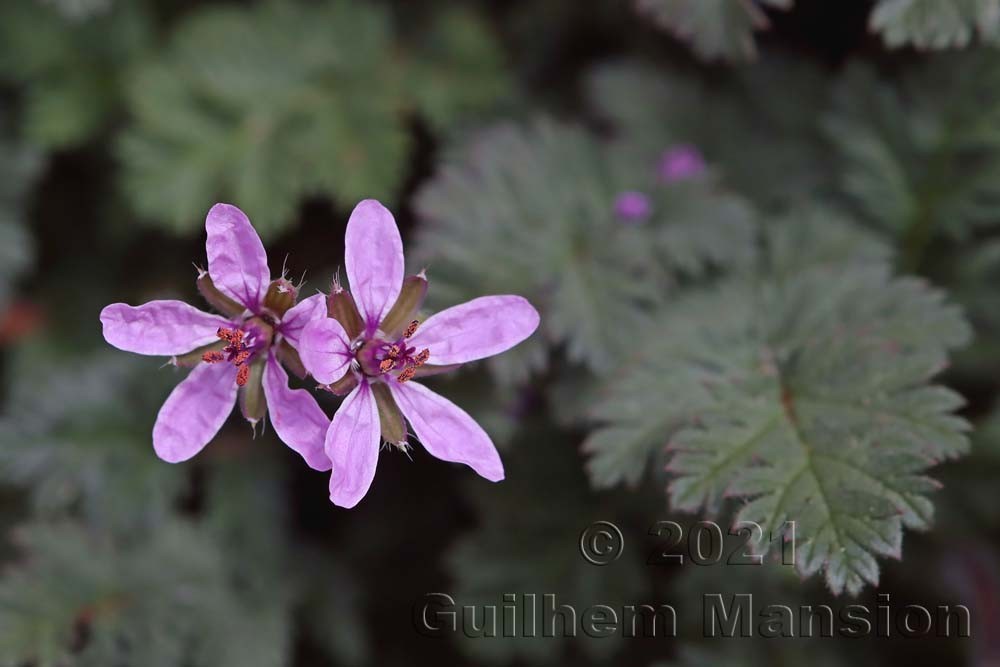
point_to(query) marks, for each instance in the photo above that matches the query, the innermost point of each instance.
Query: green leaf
(530, 211)
(266, 106)
(71, 63)
(932, 24)
(922, 159)
(76, 432)
(544, 557)
(733, 118)
(804, 391)
(715, 29)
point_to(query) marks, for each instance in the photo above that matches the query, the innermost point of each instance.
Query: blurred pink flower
(632, 206)
(235, 353)
(680, 163)
(372, 347)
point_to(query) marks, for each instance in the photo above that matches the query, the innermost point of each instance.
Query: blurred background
(720, 207)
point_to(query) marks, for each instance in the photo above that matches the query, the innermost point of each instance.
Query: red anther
(243, 375)
(212, 357)
(232, 336)
(387, 365)
(241, 357)
(407, 374)
(393, 351)
(411, 329)
(422, 358)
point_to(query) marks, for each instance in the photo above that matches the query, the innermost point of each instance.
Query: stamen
(422, 358)
(387, 365)
(411, 329)
(212, 357)
(407, 374)
(243, 375)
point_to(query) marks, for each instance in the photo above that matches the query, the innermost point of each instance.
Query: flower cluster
(365, 341)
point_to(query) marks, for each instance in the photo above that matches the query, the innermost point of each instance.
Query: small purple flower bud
(632, 206)
(680, 163)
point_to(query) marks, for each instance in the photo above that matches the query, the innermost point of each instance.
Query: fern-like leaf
(531, 211)
(269, 105)
(802, 390)
(715, 29)
(931, 24)
(922, 160)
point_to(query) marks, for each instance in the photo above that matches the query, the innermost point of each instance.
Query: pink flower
(238, 353)
(632, 206)
(373, 347)
(680, 163)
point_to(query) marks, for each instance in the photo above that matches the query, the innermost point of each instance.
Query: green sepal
(193, 358)
(289, 356)
(341, 307)
(344, 385)
(217, 299)
(253, 405)
(411, 297)
(389, 416)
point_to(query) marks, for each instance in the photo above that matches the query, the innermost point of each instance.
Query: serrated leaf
(71, 60)
(733, 119)
(530, 211)
(78, 437)
(803, 392)
(268, 105)
(715, 29)
(932, 24)
(917, 159)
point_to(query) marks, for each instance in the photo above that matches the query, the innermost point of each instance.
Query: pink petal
(325, 350)
(476, 329)
(301, 314)
(373, 255)
(352, 444)
(159, 327)
(296, 416)
(447, 431)
(236, 259)
(194, 412)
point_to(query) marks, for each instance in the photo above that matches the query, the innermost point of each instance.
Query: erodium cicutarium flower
(679, 163)
(235, 354)
(374, 347)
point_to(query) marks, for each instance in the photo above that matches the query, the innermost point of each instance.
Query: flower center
(379, 357)
(241, 346)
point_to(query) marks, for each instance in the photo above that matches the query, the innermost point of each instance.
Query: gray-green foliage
(761, 134)
(87, 444)
(715, 29)
(19, 165)
(801, 388)
(522, 550)
(530, 210)
(922, 158)
(932, 24)
(162, 598)
(71, 65)
(265, 106)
